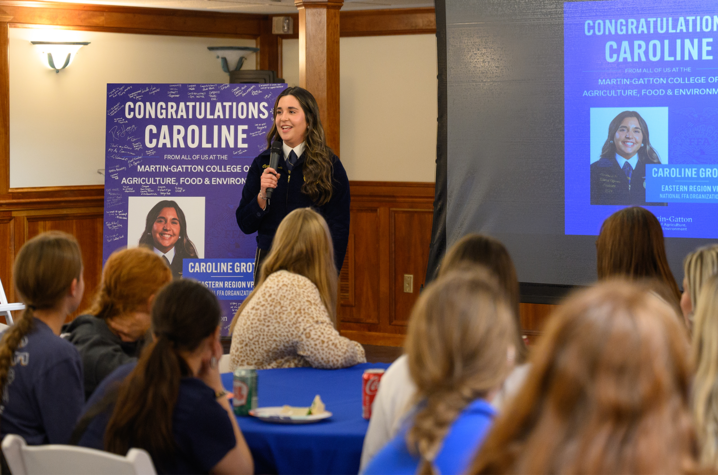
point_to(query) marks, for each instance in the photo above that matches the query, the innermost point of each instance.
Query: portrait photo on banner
(171, 225)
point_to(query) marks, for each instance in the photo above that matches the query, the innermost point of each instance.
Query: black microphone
(274, 161)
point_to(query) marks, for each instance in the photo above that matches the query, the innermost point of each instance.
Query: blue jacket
(610, 185)
(459, 447)
(287, 197)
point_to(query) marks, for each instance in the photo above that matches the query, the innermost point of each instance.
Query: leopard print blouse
(286, 326)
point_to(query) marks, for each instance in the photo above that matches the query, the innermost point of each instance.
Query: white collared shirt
(633, 161)
(299, 150)
(170, 255)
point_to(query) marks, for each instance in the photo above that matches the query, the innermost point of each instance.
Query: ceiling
(253, 6)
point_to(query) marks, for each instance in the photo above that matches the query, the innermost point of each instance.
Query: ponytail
(184, 314)
(457, 343)
(143, 414)
(11, 342)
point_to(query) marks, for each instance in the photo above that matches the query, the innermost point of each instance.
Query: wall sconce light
(58, 55)
(282, 25)
(232, 55)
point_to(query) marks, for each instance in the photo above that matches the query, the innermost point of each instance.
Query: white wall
(389, 107)
(57, 121)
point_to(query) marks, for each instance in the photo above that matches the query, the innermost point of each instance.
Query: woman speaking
(319, 182)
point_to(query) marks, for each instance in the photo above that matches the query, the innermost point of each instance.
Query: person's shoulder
(263, 157)
(603, 162)
(48, 347)
(195, 389)
(398, 369)
(115, 378)
(196, 399)
(476, 417)
(84, 326)
(284, 278)
(338, 167)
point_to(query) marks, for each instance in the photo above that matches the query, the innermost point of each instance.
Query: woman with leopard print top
(289, 320)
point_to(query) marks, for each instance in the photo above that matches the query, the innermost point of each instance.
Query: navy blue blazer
(610, 185)
(287, 197)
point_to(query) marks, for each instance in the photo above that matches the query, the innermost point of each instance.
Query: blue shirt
(201, 427)
(44, 393)
(457, 451)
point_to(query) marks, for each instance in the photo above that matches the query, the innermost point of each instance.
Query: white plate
(273, 414)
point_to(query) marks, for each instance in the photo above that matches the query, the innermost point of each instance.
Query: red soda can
(370, 385)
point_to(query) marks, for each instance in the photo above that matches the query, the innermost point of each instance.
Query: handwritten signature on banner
(121, 131)
(114, 109)
(151, 90)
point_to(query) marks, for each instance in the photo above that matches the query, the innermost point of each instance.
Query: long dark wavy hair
(646, 153)
(184, 247)
(318, 162)
(184, 314)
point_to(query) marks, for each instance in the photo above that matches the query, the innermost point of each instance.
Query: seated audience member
(113, 332)
(697, 267)
(631, 246)
(172, 402)
(396, 389)
(289, 318)
(608, 392)
(705, 382)
(40, 373)
(460, 343)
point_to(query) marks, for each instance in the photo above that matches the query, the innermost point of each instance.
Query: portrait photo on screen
(624, 140)
(173, 226)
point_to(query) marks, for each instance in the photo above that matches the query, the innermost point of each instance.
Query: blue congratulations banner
(659, 59)
(186, 147)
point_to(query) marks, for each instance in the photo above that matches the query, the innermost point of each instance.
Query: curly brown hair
(319, 161)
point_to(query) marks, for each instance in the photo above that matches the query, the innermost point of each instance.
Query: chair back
(23, 459)
(6, 308)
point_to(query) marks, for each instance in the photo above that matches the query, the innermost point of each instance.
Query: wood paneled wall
(22, 219)
(390, 237)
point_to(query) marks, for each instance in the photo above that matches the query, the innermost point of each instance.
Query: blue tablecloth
(332, 446)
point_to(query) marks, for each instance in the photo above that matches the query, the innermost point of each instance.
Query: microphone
(274, 161)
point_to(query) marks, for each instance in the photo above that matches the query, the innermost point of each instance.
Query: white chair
(6, 308)
(25, 459)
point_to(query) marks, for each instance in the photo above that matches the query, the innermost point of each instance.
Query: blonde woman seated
(113, 331)
(393, 400)
(705, 383)
(608, 392)
(697, 267)
(460, 344)
(289, 319)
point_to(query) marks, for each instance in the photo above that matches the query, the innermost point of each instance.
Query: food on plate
(315, 409)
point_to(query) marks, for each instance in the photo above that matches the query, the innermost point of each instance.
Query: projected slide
(641, 114)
